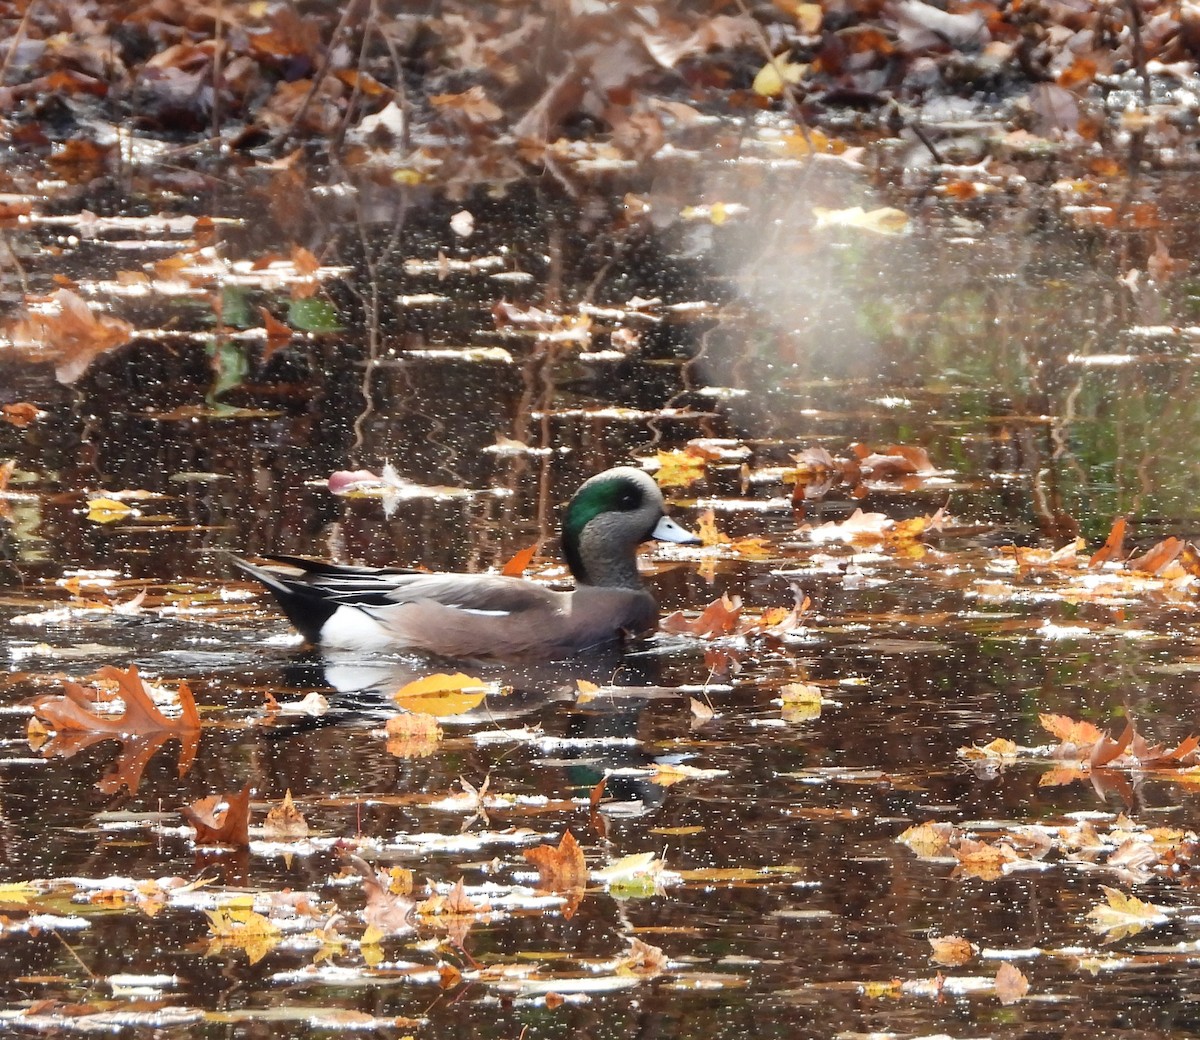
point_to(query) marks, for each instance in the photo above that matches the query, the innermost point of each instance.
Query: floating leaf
(560, 868)
(442, 694)
(313, 315)
(1123, 915)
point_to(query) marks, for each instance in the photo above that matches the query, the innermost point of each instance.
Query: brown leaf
(284, 821)
(1105, 749)
(1011, 985)
(21, 414)
(719, 618)
(560, 868)
(69, 336)
(71, 713)
(642, 959)
(279, 335)
(229, 826)
(951, 950)
(385, 911)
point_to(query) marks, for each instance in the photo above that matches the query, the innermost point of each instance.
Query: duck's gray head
(611, 514)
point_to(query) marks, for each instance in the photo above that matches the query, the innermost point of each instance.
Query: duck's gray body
(488, 615)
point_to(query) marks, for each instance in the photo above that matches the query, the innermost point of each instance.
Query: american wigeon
(489, 615)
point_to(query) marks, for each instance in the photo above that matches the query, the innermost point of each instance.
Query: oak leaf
(71, 712)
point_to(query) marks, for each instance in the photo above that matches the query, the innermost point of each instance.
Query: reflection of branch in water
(371, 309)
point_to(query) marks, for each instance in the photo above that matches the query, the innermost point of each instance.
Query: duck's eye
(627, 499)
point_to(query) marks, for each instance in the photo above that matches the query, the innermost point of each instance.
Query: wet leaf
(442, 695)
(719, 618)
(242, 928)
(412, 735)
(284, 821)
(560, 868)
(952, 951)
(67, 332)
(215, 825)
(679, 468)
(882, 221)
(1123, 915)
(386, 911)
(1011, 984)
(313, 315)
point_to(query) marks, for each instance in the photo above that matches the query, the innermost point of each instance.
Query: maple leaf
(560, 868)
(679, 468)
(1070, 731)
(1123, 915)
(929, 839)
(214, 826)
(441, 694)
(241, 927)
(981, 860)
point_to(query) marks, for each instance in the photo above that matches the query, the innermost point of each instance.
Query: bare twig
(1139, 48)
(17, 37)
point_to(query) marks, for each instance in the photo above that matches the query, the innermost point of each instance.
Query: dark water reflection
(969, 336)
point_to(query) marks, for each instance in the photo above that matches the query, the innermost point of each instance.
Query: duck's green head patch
(614, 495)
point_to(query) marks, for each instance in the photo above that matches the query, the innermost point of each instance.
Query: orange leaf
(230, 826)
(71, 713)
(559, 868)
(519, 561)
(1011, 984)
(1111, 549)
(1070, 731)
(719, 618)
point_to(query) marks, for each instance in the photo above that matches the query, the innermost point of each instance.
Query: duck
(457, 615)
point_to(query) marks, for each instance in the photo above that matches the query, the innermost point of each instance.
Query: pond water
(1030, 328)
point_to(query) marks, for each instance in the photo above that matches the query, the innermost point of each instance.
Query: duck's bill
(669, 531)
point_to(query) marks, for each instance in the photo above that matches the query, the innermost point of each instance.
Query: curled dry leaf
(642, 959)
(386, 911)
(216, 826)
(284, 821)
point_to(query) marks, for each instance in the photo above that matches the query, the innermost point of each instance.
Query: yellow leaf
(678, 469)
(775, 74)
(443, 694)
(18, 892)
(107, 510)
(1123, 915)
